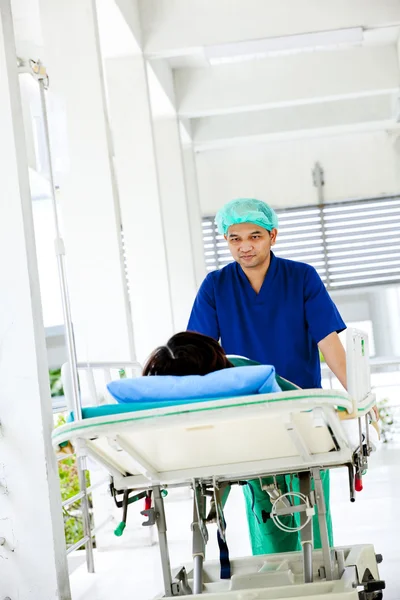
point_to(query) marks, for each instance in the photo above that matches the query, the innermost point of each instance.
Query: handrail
(85, 539)
(80, 495)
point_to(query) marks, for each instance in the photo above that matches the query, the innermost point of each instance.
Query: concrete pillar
(393, 305)
(175, 214)
(138, 183)
(385, 309)
(88, 196)
(195, 216)
(33, 559)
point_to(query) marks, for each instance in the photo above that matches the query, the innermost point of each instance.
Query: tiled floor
(134, 573)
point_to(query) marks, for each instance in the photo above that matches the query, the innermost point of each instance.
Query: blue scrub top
(280, 326)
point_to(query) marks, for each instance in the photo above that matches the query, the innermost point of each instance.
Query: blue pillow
(219, 384)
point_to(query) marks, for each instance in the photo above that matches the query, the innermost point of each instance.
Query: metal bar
(92, 386)
(323, 528)
(78, 544)
(340, 562)
(318, 176)
(306, 532)
(69, 332)
(61, 457)
(360, 434)
(83, 540)
(198, 540)
(347, 239)
(371, 274)
(363, 262)
(390, 214)
(360, 267)
(337, 232)
(60, 254)
(308, 562)
(302, 244)
(162, 538)
(388, 200)
(362, 253)
(73, 499)
(351, 482)
(290, 510)
(109, 364)
(80, 495)
(368, 282)
(367, 434)
(198, 574)
(81, 465)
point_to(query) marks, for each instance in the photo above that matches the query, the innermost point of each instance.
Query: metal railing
(87, 369)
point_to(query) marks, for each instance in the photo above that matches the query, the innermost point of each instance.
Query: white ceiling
(286, 67)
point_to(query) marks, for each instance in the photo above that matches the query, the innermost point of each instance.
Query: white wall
(356, 165)
(353, 306)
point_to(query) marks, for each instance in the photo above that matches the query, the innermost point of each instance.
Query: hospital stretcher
(211, 444)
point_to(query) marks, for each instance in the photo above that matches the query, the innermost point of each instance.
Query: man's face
(250, 244)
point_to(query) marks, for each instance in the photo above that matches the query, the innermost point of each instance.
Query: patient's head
(187, 353)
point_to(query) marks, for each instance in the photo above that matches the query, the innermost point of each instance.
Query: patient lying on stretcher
(190, 353)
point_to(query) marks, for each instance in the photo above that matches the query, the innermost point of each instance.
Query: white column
(89, 203)
(135, 159)
(384, 306)
(195, 216)
(393, 309)
(175, 215)
(33, 557)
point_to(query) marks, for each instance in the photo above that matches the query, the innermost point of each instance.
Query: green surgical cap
(246, 210)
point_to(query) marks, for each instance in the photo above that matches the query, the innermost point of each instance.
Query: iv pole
(38, 71)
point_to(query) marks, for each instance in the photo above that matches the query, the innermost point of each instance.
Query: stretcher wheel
(372, 596)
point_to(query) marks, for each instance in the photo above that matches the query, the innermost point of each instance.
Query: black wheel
(372, 587)
(371, 596)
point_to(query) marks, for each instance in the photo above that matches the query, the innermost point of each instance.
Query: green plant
(69, 482)
(386, 419)
(56, 383)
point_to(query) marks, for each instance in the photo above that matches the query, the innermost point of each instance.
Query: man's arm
(335, 356)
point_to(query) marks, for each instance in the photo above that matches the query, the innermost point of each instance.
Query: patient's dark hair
(187, 353)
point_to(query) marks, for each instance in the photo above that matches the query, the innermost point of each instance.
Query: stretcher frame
(317, 407)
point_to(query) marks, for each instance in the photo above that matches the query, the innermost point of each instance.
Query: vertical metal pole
(198, 574)
(319, 182)
(198, 542)
(69, 332)
(307, 531)
(60, 253)
(340, 562)
(162, 539)
(323, 528)
(367, 440)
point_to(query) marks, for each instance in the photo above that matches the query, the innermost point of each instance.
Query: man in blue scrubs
(273, 311)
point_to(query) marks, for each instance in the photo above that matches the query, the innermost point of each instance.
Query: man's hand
(335, 356)
(376, 411)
